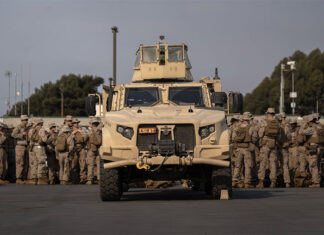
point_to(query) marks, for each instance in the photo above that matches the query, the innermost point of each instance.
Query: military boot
(19, 181)
(51, 182)
(287, 185)
(314, 186)
(42, 180)
(32, 181)
(260, 184)
(273, 184)
(89, 182)
(2, 181)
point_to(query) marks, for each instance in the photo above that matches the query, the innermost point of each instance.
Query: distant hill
(309, 84)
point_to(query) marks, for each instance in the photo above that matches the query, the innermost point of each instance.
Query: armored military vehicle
(163, 125)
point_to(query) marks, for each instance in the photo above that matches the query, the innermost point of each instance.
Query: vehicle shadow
(174, 194)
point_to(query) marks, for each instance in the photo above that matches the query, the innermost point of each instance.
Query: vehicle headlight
(127, 132)
(205, 131)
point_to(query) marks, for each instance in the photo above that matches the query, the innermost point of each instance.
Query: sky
(244, 39)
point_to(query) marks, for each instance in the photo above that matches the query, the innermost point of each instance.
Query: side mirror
(218, 99)
(90, 105)
(236, 102)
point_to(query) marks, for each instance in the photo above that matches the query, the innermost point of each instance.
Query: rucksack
(242, 134)
(35, 136)
(61, 143)
(272, 129)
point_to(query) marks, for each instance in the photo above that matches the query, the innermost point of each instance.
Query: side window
(187, 59)
(175, 54)
(137, 60)
(149, 54)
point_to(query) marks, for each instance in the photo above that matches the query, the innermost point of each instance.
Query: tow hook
(141, 165)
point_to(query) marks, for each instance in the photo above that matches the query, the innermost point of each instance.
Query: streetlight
(8, 74)
(292, 94)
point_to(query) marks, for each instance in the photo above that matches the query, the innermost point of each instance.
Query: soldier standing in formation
(51, 155)
(62, 148)
(3, 154)
(20, 134)
(95, 140)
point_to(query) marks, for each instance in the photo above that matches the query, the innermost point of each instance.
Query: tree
(309, 84)
(46, 100)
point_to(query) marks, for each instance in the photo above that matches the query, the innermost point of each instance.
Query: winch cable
(159, 167)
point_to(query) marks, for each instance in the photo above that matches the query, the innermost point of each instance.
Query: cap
(10, 126)
(271, 110)
(52, 124)
(2, 125)
(246, 116)
(293, 121)
(75, 120)
(283, 115)
(94, 120)
(23, 117)
(38, 121)
(68, 118)
(65, 129)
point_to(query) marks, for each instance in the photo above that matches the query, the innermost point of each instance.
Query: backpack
(242, 134)
(272, 129)
(61, 143)
(35, 136)
(320, 134)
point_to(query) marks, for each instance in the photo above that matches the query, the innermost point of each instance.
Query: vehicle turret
(162, 62)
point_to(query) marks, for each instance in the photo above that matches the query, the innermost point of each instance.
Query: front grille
(183, 133)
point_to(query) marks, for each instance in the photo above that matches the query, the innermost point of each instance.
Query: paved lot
(78, 209)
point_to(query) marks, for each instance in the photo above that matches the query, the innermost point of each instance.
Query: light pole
(293, 94)
(16, 94)
(282, 86)
(114, 31)
(8, 74)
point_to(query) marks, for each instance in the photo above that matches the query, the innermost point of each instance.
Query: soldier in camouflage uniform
(79, 139)
(234, 123)
(39, 138)
(94, 142)
(293, 162)
(312, 132)
(32, 162)
(62, 148)
(243, 137)
(269, 134)
(53, 165)
(3, 154)
(20, 135)
(284, 154)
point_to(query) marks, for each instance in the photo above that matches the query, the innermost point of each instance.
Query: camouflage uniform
(234, 124)
(40, 138)
(3, 155)
(285, 127)
(32, 161)
(53, 165)
(244, 136)
(94, 142)
(293, 146)
(311, 132)
(62, 148)
(269, 152)
(78, 140)
(20, 134)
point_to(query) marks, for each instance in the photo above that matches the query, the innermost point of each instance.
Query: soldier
(243, 137)
(285, 127)
(233, 124)
(269, 134)
(94, 142)
(39, 139)
(32, 162)
(313, 133)
(20, 135)
(3, 155)
(11, 175)
(293, 146)
(62, 148)
(79, 139)
(52, 162)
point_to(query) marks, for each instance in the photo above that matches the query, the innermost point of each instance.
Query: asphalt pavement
(77, 209)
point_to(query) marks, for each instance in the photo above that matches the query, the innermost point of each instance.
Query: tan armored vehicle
(163, 126)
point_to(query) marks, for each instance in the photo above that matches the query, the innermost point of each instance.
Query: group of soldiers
(276, 151)
(33, 154)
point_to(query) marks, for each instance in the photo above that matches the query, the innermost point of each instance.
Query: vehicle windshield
(141, 96)
(175, 54)
(186, 96)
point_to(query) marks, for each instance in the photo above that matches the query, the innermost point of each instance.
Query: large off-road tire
(221, 178)
(110, 184)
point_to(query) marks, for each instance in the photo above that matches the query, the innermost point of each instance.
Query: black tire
(110, 184)
(221, 178)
